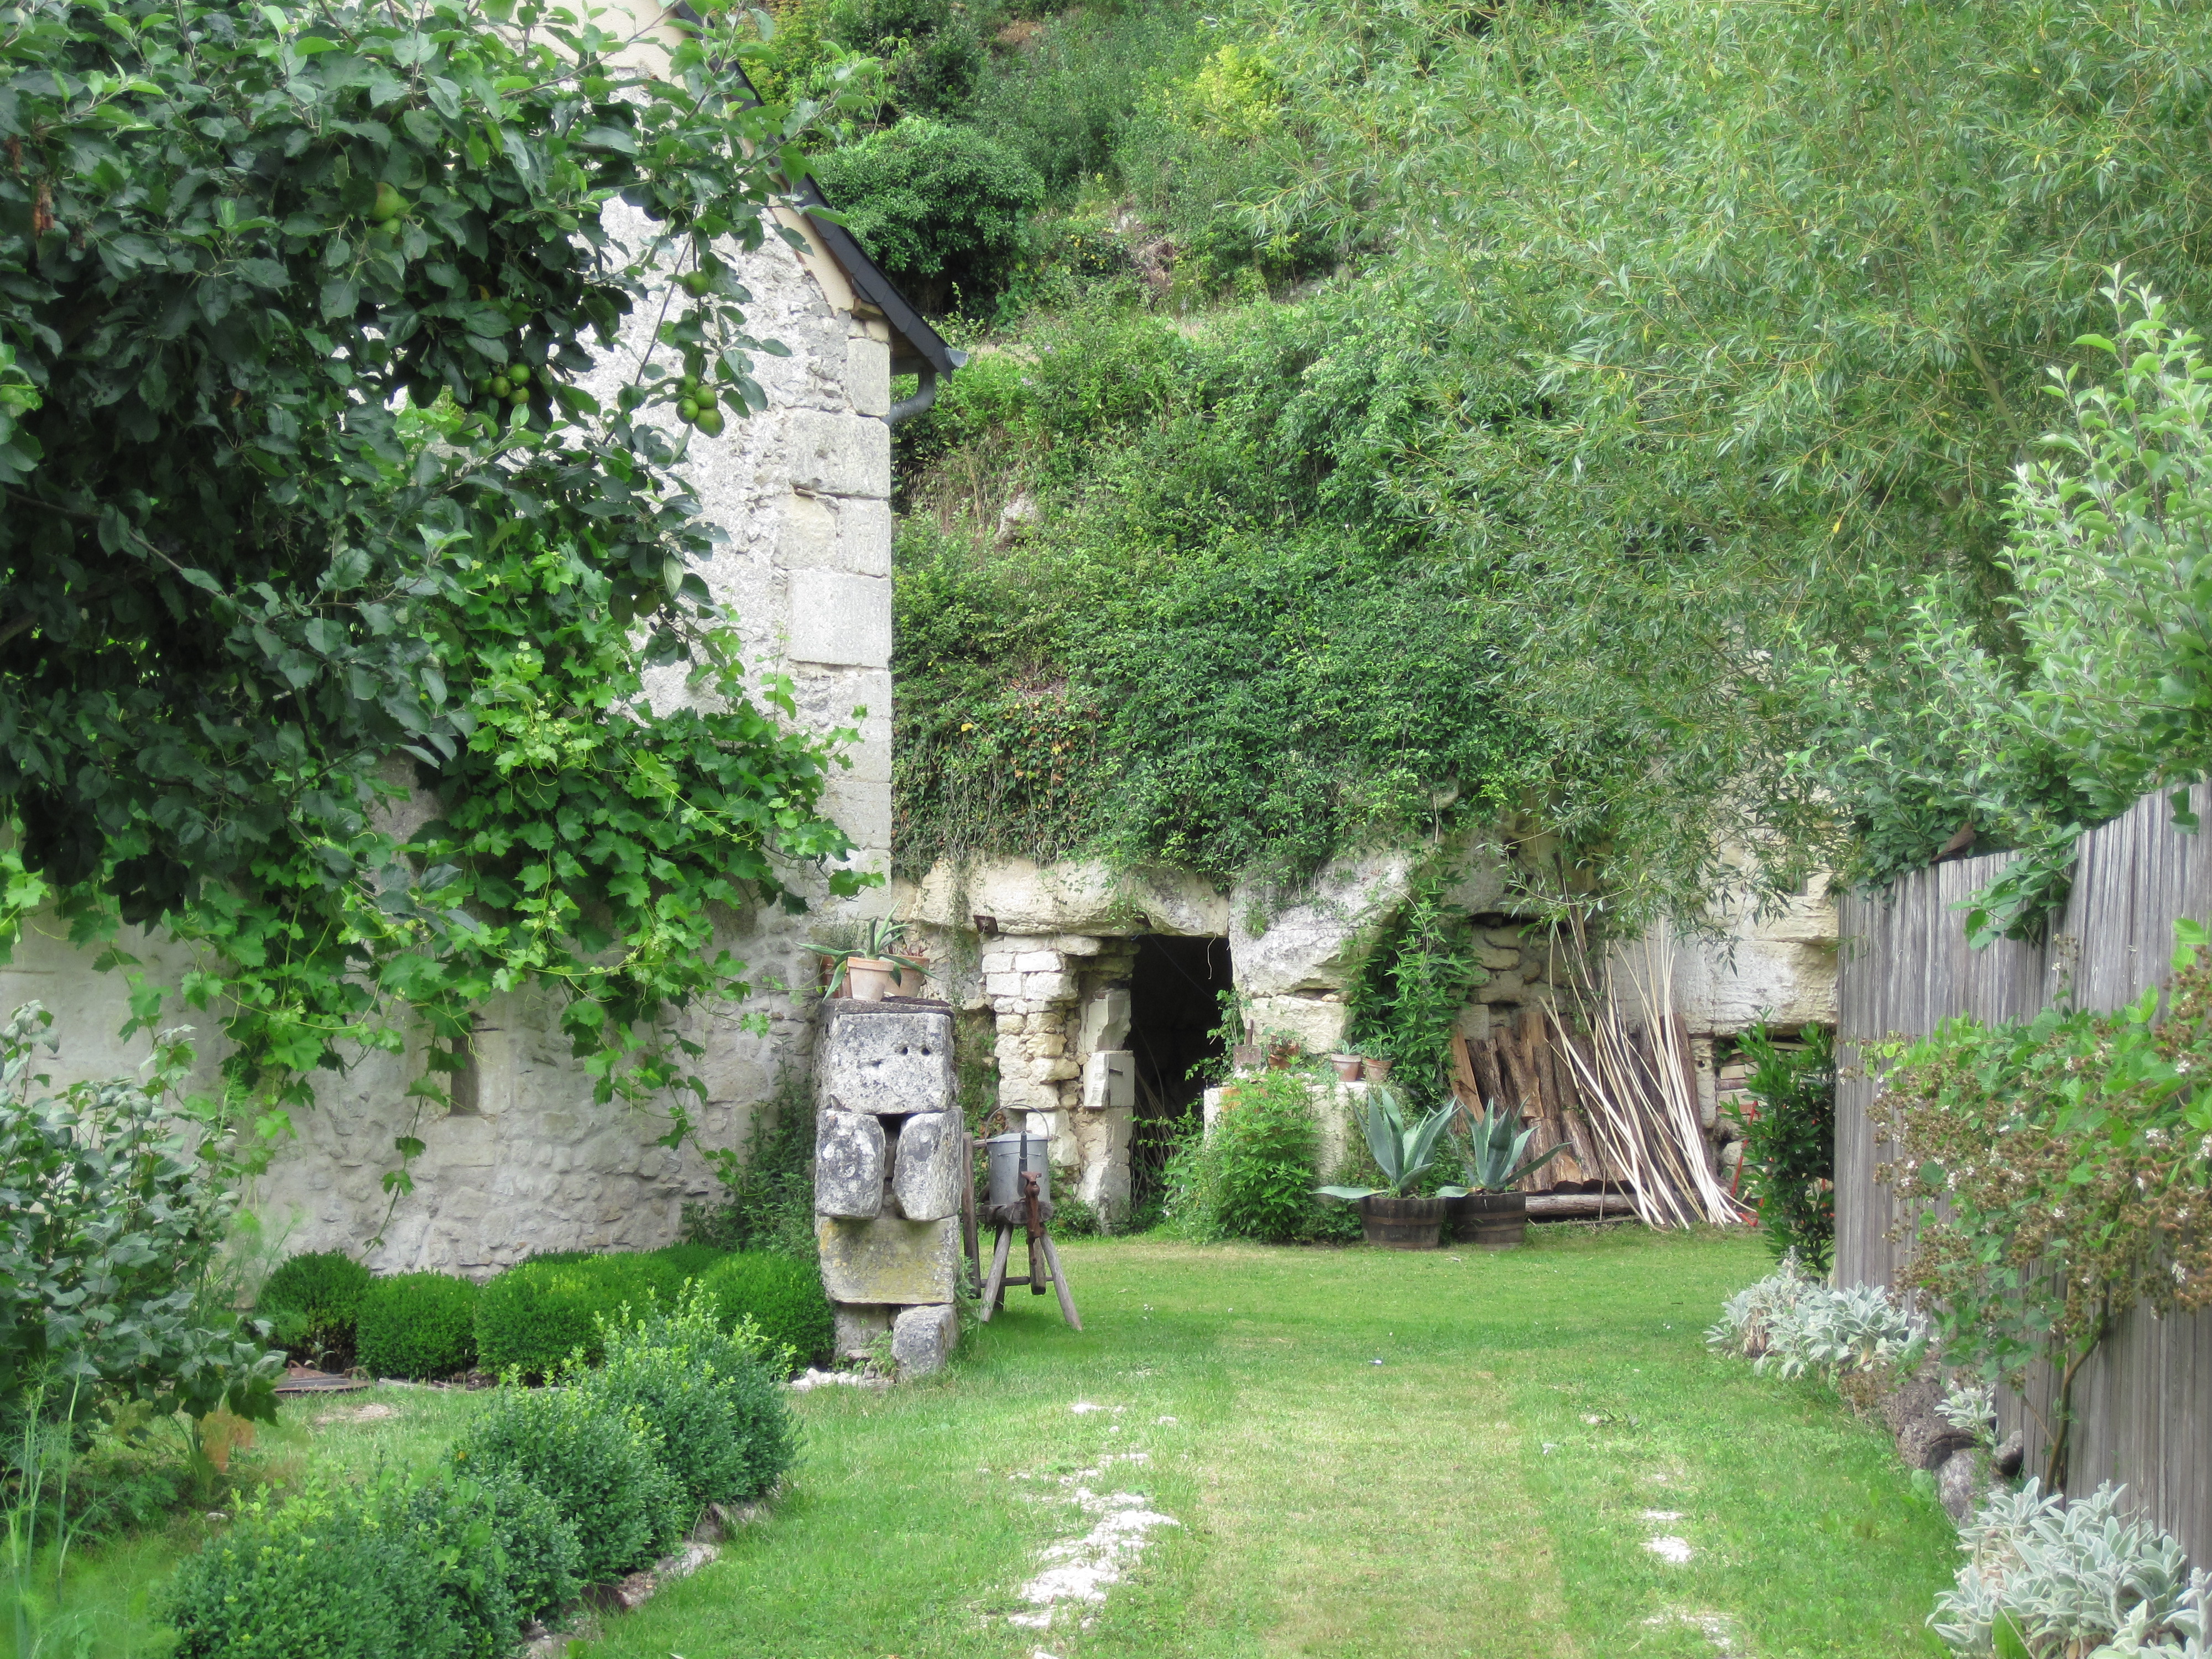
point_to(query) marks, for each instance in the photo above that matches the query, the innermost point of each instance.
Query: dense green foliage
(115, 1197)
(532, 1317)
(767, 1186)
(711, 1386)
(1407, 999)
(602, 1470)
(307, 508)
(1789, 1142)
(784, 1299)
(1252, 1175)
(942, 208)
(420, 1325)
(2057, 1171)
(1592, 472)
(313, 1304)
(445, 1568)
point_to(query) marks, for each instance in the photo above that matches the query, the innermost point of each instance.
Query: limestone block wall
(802, 493)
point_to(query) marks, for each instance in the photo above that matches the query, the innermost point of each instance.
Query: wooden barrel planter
(1402, 1224)
(1496, 1221)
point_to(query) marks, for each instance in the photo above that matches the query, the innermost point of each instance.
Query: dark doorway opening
(1175, 1005)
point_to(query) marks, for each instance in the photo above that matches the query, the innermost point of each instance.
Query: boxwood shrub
(784, 1298)
(713, 1393)
(439, 1569)
(534, 1316)
(603, 1470)
(418, 1325)
(314, 1302)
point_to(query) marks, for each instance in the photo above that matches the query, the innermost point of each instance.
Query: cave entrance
(1175, 1005)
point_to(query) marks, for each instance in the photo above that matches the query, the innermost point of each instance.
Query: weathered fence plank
(2145, 1404)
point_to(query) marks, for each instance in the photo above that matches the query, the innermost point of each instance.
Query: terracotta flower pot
(1374, 1068)
(868, 979)
(1347, 1066)
(1402, 1223)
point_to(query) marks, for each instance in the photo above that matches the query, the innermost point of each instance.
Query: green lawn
(1482, 1490)
(1488, 1488)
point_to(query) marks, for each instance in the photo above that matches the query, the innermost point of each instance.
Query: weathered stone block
(1002, 985)
(998, 962)
(868, 376)
(1039, 962)
(1048, 988)
(887, 1260)
(1056, 1071)
(838, 454)
(922, 1340)
(925, 1175)
(863, 536)
(859, 1325)
(885, 1060)
(848, 1164)
(841, 619)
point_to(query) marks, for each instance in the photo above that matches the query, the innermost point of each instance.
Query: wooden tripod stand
(1044, 1260)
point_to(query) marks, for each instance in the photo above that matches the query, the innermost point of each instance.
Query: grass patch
(1483, 1490)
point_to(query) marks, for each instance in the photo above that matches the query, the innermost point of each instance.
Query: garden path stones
(848, 1164)
(922, 1340)
(884, 1060)
(926, 1175)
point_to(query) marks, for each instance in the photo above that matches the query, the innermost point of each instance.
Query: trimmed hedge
(418, 1325)
(785, 1298)
(538, 1312)
(313, 1302)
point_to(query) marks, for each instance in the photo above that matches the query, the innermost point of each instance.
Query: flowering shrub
(2056, 1175)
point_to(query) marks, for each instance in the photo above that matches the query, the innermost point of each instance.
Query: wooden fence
(2145, 1404)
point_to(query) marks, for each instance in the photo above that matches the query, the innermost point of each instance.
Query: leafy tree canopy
(300, 480)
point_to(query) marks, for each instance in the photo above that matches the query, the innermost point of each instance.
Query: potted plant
(1491, 1213)
(1374, 1064)
(869, 969)
(1347, 1062)
(1404, 1151)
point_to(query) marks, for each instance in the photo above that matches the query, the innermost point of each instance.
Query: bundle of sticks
(1618, 1085)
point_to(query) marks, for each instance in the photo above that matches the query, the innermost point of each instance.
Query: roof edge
(926, 347)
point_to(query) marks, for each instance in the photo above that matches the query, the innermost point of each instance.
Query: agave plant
(1404, 1150)
(1494, 1151)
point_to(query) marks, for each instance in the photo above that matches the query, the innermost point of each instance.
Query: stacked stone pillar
(890, 1152)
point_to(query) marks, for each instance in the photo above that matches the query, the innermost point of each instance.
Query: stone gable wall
(802, 493)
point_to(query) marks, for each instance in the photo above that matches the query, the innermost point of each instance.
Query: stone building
(527, 1161)
(1087, 995)
(1096, 991)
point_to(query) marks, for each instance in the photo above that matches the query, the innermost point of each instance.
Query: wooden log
(1484, 1059)
(1559, 1206)
(1060, 1282)
(994, 1287)
(1465, 1089)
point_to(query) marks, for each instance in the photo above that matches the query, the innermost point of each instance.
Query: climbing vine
(309, 519)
